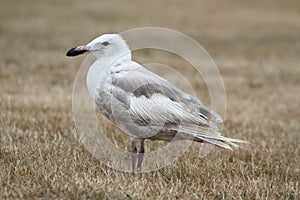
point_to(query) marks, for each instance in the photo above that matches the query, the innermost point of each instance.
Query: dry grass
(255, 45)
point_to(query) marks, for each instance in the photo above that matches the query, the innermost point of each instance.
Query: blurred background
(255, 44)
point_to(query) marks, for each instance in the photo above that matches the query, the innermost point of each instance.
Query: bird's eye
(105, 43)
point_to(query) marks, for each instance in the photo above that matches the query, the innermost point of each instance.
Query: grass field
(256, 45)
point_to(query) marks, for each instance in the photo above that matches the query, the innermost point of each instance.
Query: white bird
(143, 104)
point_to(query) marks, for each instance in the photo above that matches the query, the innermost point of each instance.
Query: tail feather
(208, 135)
(214, 142)
(234, 140)
(220, 141)
(211, 136)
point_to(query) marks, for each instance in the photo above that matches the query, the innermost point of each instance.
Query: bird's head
(104, 46)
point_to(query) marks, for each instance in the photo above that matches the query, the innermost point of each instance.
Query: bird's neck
(100, 66)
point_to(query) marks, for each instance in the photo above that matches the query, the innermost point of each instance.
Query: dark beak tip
(73, 52)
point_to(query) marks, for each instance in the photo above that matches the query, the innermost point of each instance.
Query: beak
(75, 51)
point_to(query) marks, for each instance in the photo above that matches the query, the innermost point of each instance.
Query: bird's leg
(133, 155)
(141, 155)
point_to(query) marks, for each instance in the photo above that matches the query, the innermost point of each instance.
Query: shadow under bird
(143, 104)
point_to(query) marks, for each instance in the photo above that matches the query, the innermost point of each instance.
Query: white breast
(93, 75)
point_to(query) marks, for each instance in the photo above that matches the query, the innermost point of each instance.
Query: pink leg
(141, 155)
(133, 155)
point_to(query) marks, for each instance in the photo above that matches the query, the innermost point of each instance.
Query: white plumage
(143, 104)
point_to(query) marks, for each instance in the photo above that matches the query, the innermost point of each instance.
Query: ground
(256, 46)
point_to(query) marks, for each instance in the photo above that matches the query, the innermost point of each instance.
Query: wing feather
(168, 103)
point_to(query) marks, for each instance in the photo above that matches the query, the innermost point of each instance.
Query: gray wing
(153, 100)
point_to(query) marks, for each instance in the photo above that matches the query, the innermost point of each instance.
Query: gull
(143, 104)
